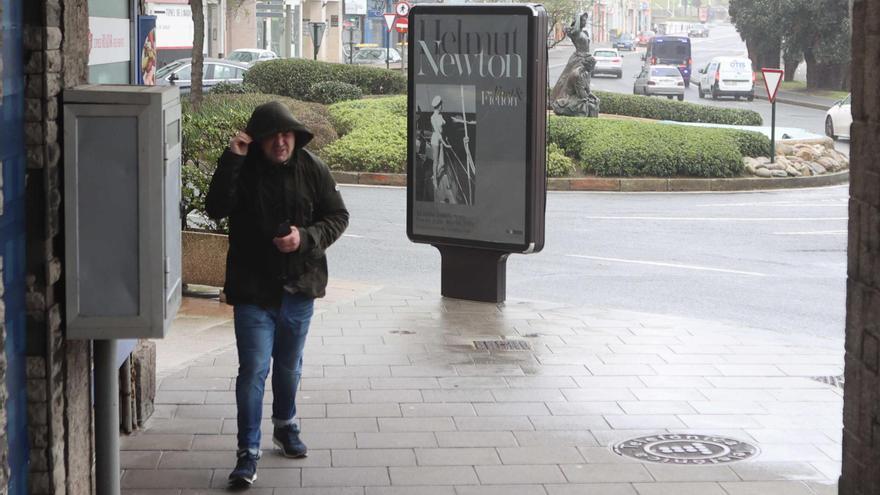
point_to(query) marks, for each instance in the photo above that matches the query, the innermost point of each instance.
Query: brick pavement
(396, 400)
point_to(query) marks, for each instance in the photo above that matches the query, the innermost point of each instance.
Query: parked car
(608, 61)
(250, 56)
(644, 37)
(625, 42)
(376, 56)
(838, 119)
(699, 31)
(727, 76)
(661, 80)
(215, 70)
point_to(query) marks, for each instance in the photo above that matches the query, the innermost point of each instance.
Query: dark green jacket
(257, 196)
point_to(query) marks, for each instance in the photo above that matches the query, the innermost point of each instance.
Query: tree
(758, 24)
(198, 57)
(562, 12)
(818, 30)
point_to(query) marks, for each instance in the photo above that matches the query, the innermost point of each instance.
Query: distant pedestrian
(284, 211)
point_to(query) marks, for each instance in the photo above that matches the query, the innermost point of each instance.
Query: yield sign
(389, 21)
(772, 79)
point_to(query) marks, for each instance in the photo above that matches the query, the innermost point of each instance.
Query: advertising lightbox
(477, 126)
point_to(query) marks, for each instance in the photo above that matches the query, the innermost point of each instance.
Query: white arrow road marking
(668, 265)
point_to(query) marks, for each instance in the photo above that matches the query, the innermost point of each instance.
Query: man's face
(278, 147)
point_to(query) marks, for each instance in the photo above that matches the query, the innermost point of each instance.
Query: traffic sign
(389, 20)
(772, 79)
(402, 24)
(402, 9)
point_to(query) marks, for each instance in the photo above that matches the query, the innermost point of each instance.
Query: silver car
(662, 80)
(250, 56)
(179, 73)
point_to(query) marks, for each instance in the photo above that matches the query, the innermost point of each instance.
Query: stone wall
(861, 414)
(58, 371)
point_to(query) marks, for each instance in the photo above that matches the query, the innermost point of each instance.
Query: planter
(204, 258)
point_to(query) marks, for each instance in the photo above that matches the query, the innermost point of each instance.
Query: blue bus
(671, 50)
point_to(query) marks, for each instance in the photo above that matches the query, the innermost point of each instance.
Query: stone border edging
(631, 184)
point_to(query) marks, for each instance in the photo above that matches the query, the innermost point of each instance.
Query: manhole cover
(686, 449)
(502, 345)
(834, 381)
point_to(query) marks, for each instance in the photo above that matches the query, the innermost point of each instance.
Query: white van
(727, 76)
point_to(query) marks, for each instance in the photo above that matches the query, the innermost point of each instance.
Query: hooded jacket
(258, 196)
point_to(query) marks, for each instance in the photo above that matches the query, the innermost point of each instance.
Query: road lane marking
(719, 219)
(815, 232)
(355, 236)
(668, 265)
(841, 204)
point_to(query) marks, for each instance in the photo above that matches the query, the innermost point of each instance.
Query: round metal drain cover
(686, 449)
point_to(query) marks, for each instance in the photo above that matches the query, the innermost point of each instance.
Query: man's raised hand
(239, 143)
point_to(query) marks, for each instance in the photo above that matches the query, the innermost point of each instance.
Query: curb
(632, 185)
(800, 103)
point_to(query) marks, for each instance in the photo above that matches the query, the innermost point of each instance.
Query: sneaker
(287, 439)
(245, 472)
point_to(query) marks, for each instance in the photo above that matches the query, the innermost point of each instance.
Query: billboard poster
(174, 26)
(477, 126)
(109, 39)
(146, 50)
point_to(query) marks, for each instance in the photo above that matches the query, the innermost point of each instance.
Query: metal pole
(106, 418)
(126, 393)
(387, 48)
(773, 132)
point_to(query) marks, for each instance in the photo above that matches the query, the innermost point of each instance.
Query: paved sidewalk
(398, 399)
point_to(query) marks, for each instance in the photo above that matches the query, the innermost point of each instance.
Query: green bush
(294, 77)
(751, 143)
(207, 132)
(631, 148)
(228, 88)
(329, 92)
(373, 135)
(558, 164)
(373, 138)
(664, 109)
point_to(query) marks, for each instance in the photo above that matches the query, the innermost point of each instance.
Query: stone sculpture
(571, 96)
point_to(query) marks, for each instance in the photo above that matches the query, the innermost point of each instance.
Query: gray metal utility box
(122, 210)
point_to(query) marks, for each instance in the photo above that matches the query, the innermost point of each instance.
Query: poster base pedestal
(473, 274)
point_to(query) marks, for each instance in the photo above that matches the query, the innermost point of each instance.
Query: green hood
(273, 117)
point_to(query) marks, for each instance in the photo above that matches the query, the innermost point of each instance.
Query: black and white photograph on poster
(445, 144)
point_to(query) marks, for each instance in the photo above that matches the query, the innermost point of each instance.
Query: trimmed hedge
(329, 92)
(207, 132)
(373, 138)
(294, 77)
(629, 148)
(373, 135)
(558, 164)
(665, 109)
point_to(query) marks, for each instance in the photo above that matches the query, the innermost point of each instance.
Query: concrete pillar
(861, 400)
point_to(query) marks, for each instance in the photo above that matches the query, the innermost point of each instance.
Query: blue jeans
(262, 334)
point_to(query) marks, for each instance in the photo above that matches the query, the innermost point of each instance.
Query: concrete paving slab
(396, 400)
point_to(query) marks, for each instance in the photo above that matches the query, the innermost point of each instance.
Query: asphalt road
(774, 260)
(723, 40)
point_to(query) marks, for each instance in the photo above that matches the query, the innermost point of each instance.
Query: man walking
(284, 211)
